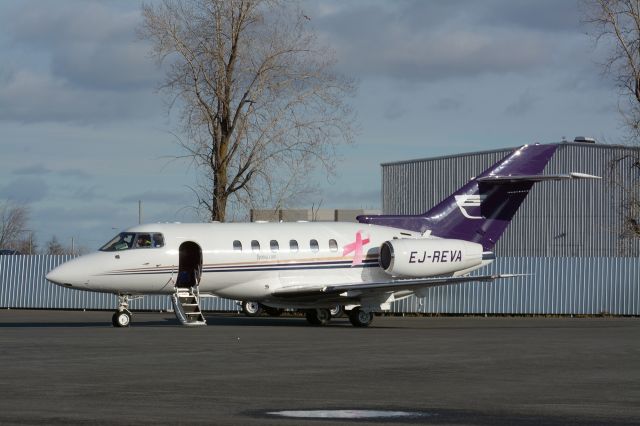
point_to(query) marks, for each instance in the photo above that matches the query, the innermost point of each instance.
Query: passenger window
(237, 246)
(293, 245)
(314, 245)
(255, 245)
(333, 245)
(274, 245)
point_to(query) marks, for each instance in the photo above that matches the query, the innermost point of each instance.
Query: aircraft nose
(67, 275)
(55, 276)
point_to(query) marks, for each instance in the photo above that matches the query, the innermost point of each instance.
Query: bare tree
(13, 220)
(260, 105)
(27, 244)
(616, 25)
(53, 246)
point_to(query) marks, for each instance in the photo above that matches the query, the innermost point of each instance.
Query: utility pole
(30, 231)
(73, 246)
(139, 212)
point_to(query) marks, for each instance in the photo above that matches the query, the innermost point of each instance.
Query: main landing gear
(336, 311)
(251, 309)
(318, 316)
(360, 318)
(122, 315)
(254, 309)
(357, 316)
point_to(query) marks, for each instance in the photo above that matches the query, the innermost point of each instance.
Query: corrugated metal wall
(22, 285)
(580, 218)
(555, 286)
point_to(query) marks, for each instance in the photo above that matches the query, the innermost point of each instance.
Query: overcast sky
(84, 135)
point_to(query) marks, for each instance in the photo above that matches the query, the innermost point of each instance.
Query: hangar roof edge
(508, 149)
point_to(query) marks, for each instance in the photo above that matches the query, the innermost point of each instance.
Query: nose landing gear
(122, 316)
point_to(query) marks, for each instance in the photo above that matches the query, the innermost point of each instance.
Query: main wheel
(336, 311)
(318, 316)
(121, 319)
(251, 309)
(360, 318)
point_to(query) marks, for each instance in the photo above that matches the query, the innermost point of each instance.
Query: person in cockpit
(144, 241)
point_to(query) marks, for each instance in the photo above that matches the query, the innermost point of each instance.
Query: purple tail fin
(481, 210)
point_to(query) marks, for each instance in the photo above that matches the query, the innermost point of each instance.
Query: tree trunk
(219, 203)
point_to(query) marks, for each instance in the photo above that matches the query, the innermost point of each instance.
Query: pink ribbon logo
(356, 247)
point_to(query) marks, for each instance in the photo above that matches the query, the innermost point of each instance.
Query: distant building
(568, 237)
(319, 215)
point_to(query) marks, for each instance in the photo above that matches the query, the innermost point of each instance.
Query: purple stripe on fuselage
(347, 264)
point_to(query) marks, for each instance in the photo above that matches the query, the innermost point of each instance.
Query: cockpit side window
(122, 241)
(143, 241)
(128, 240)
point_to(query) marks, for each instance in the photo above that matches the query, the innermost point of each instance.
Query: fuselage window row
(314, 246)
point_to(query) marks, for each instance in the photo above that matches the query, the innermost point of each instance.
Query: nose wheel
(122, 315)
(121, 319)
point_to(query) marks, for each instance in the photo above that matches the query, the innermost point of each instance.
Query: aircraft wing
(382, 286)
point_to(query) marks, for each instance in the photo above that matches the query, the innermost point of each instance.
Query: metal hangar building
(575, 238)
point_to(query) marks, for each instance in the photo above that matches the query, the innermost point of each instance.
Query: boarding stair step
(186, 307)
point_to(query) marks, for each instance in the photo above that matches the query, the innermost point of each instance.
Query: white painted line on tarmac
(345, 414)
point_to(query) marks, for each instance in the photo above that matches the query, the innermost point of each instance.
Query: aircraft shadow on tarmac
(224, 320)
(286, 321)
(88, 324)
(144, 320)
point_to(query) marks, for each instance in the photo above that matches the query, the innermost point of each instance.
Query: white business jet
(313, 267)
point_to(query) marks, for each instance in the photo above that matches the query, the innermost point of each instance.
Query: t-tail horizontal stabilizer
(481, 210)
(498, 179)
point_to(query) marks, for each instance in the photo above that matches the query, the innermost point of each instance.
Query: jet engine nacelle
(427, 257)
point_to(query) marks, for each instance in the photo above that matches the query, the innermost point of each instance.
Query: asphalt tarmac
(64, 367)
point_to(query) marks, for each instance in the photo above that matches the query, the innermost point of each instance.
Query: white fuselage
(250, 261)
(345, 253)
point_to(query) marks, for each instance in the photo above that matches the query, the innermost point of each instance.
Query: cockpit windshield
(128, 240)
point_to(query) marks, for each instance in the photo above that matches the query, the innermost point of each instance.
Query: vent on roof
(584, 139)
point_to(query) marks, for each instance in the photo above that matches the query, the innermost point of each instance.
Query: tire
(251, 309)
(318, 316)
(336, 311)
(121, 319)
(360, 318)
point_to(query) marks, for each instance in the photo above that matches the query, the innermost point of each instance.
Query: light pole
(30, 231)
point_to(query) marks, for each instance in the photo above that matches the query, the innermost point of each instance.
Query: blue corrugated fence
(23, 285)
(554, 286)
